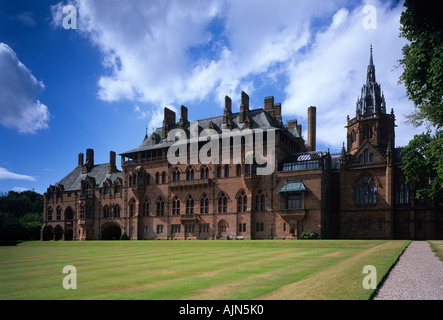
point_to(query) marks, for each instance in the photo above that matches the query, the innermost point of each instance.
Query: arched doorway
(111, 232)
(58, 232)
(47, 233)
(69, 234)
(222, 229)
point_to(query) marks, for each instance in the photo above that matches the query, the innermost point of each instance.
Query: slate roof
(100, 174)
(259, 119)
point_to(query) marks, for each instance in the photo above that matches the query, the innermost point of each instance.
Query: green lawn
(260, 269)
(437, 247)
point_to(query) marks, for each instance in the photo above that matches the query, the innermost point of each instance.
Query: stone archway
(222, 229)
(47, 233)
(69, 235)
(111, 231)
(58, 232)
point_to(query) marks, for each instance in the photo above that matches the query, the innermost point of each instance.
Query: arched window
(219, 172)
(189, 205)
(204, 173)
(131, 207)
(87, 189)
(176, 175)
(116, 211)
(238, 170)
(140, 181)
(401, 191)
(366, 191)
(106, 212)
(160, 207)
(222, 203)
(49, 214)
(226, 171)
(204, 204)
(175, 206)
(353, 136)
(366, 156)
(146, 208)
(260, 200)
(163, 177)
(116, 188)
(190, 173)
(58, 212)
(242, 202)
(157, 178)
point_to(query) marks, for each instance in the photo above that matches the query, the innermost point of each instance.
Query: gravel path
(418, 275)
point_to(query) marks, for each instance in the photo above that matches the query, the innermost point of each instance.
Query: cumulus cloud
(330, 74)
(168, 51)
(161, 53)
(7, 175)
(19, 90)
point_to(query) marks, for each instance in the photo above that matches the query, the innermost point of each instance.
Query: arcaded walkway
(418, 275)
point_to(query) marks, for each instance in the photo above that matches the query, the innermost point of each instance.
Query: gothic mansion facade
(360, 193)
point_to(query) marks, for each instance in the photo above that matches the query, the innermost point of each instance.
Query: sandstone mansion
(360, 193)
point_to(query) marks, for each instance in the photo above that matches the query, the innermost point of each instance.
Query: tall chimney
(311, 128)
(244, 107)
(90, 158)
(168, 121)
(277, 111)
(183, 115)
(228, 109)
(80, 159)
(269, 105)
(112, 167)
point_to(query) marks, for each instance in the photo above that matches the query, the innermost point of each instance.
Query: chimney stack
(312, 128)
(183, 115)
(277, 111)
(80, 159)
(228, 109)
(244, 107)
(89, 164)
(112, 167)
(168, 122)
(269, 105)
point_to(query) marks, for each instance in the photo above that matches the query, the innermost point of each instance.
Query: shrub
(308, 235)
(124, 236)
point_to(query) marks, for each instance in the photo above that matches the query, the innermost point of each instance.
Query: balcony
(186, 184)
(251, 180)
(293, 214)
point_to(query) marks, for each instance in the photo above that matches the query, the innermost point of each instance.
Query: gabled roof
(259, 119)
(100, 174)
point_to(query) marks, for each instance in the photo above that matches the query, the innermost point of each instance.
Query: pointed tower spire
(371, 69)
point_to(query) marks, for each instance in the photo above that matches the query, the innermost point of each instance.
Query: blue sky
(99, 86)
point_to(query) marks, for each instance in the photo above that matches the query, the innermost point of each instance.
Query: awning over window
(293, 186)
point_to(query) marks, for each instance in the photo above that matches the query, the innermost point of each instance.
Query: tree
(422, 26)
(422, 61)
(423, 158)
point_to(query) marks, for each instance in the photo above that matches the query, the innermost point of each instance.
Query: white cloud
(7, 175)
(141, 114)
(20, 189)
(18, 91)
(331, 73)
(27, 18)
(160, 53)
(166, 52)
